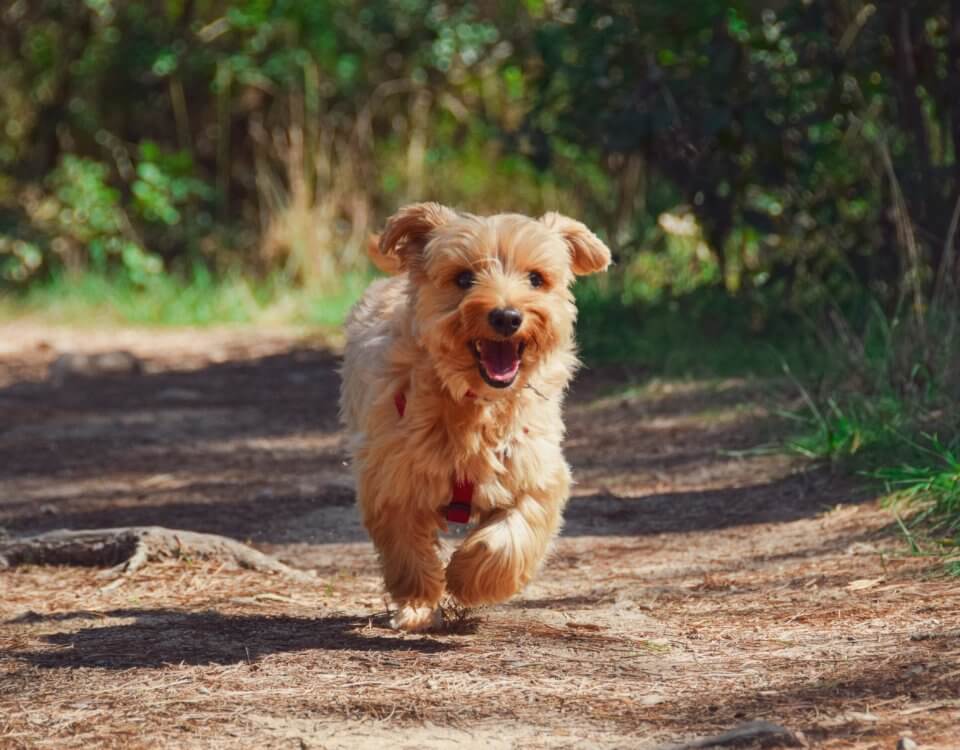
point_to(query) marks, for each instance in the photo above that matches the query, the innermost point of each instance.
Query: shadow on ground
(835, 703)
(160, 637)
(778, 501)
(252, 449)
(152, 422)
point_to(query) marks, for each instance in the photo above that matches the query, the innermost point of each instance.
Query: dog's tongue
(500, 359)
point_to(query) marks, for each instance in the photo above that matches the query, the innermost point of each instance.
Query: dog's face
(491, 296)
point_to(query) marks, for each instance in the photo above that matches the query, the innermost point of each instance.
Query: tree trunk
(946, 262)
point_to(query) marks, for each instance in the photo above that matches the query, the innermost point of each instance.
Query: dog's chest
(515, 462)
(501, 454)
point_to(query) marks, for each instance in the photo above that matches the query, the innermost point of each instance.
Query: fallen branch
(128, 548)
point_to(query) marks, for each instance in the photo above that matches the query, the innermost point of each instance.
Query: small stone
(905, 743)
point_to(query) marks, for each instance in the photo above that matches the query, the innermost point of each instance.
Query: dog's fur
(414, 334)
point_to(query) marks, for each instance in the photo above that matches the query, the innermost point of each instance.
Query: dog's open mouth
(499, 360)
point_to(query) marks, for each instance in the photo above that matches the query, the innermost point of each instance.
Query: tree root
(126, 549)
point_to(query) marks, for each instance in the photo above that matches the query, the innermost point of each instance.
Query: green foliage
(847, 429)
(675, 261)
(774, 124)
(889, 407)
(81, 213)
(929, 488)
(934, 482)
(165, 184)
(783, 132)
(19, 259)
(701, 334)
(85, 204)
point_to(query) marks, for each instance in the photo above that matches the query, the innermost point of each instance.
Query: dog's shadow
(160, 637)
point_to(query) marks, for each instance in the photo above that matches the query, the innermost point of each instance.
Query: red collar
(460, 507)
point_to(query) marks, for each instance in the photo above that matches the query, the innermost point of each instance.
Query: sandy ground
(698, 584)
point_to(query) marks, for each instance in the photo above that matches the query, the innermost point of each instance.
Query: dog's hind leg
(412, 571)
(502, 554)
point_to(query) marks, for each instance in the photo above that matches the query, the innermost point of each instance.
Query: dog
(453, 381)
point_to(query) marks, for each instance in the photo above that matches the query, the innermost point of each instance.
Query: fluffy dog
(453, 382)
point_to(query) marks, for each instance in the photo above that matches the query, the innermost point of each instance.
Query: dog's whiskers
(534, 389)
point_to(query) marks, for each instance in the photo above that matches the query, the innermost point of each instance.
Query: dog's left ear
(407, 232)
(588, 254)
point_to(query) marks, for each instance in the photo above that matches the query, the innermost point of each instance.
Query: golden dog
(453, 381)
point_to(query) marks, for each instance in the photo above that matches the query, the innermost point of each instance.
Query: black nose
(505, 320)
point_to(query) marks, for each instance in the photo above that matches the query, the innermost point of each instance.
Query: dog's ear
(389, 264)
(588, 254)
(408, 230)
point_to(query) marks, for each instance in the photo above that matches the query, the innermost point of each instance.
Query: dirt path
(696, 587)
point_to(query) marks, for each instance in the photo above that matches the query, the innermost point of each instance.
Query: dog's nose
(505, 320)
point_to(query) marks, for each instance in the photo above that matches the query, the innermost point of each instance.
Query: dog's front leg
(502, 554)
(412, 570)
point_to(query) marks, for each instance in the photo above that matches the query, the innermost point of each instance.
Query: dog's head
(490, 295)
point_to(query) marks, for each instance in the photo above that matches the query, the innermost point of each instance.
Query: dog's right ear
(389, 264)
(408, 230)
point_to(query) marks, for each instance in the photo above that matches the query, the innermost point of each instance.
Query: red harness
(458, 511)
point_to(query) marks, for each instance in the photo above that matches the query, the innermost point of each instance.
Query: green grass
(928, 487)
(171, 300)
(849, 428)
(884, 440)
(888, 410)
(704, 334)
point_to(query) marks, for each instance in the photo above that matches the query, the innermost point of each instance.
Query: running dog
(453, 382)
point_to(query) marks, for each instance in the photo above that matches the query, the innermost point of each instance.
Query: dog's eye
(465, 279)
(536, 280)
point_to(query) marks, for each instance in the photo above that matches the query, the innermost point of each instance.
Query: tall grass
(928, 486)
(890, 411)
(889, 405)
(315, 210)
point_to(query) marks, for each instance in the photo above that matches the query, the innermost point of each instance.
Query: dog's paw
(477, 575)
(416, 619)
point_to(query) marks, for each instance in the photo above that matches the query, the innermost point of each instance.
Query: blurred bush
(792, 150)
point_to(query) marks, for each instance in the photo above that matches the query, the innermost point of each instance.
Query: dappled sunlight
(762, 531)
(690, 584)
